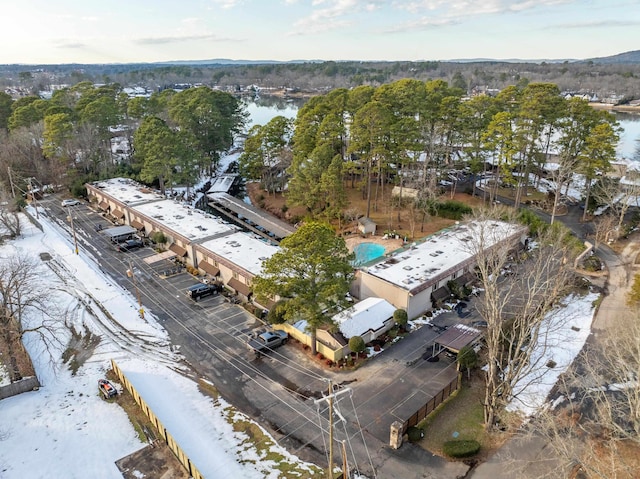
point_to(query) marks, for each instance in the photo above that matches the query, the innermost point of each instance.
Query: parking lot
(279, 389)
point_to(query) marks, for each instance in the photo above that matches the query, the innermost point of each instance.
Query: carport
(456, 338)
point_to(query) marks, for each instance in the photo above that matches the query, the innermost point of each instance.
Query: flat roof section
(191, 223)
(127, 191)
(242, 249)
(255, 216)
(417, 264)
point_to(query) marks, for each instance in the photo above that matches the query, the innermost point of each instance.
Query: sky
(118, 31)
(65, 429)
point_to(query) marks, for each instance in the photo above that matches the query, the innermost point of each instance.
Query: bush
(461, 448)
(158, 237)
(415, 434)
(400, 317)
(276, 314)
(356, 344)
(453, 210)
(320, 356)
(329, 362)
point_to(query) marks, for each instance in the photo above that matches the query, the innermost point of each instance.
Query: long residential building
(411, 278)
(201, 240)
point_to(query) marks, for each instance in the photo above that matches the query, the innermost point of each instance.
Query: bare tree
(618, 195)
(25, 302)
(9, 216)
(561, 176)
(515, 306)
(595, 423)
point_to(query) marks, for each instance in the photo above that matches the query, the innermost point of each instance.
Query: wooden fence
(168, 438)
(19, 387)
(431, 404)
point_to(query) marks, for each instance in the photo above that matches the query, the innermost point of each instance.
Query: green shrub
(277, 313)
(158, 237)
(415, 434)
(453, 210)
(461, 448)
(356, 344)
(400, 317)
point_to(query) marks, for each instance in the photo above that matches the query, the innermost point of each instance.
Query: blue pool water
(366, 252)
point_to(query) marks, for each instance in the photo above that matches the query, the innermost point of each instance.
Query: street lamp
(73, 231)
(131, 274)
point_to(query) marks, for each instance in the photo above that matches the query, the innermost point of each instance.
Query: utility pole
(329, 399)
(131, 274)
(345, 466)
(13, 190)
(33, 198)
(73, 231)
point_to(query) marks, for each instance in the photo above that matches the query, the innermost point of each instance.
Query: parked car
(479, 324)
(69, 202)
(201, 290)
(129, 244)
(268, 340)
(107, 389)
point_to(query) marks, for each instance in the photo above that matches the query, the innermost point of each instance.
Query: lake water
(630, 123)
(263, 109)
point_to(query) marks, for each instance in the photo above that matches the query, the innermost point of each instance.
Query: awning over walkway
(178, 250)
(208, 268)
(117, 214)
(159, 257)
(239, 287)
(441, 294)
(466, 279)
(103, 205)
(457, 337)
(137, 225)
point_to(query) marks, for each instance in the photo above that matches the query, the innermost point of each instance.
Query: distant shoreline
(620, 108)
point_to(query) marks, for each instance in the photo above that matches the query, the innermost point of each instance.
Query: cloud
(70, 45)
(597, 24)
(226, 4)
(182, 39)
(424, 23)
(452, 8)
(329, 15)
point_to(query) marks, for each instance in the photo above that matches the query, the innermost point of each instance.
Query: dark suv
(198, 291)
(129, 245)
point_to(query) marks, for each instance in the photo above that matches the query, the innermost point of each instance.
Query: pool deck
(389, 244)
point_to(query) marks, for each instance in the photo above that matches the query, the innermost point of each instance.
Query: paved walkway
(530, 457)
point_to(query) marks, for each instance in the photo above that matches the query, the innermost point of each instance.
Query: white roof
(244, 249)
(368, 314)
(184, 219)
(128, 191)
(412, 266)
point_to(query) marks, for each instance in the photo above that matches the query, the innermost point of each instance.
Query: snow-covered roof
(368, 315)
(244, 249)
(421, 262)
(128, 191)
(184, 219)
(222, 183)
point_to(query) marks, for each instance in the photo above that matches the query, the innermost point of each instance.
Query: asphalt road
(282, 388)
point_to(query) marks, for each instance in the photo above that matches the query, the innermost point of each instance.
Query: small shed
(366, 225)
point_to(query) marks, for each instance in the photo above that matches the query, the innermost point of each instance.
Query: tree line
(68, 139)
(412, 133)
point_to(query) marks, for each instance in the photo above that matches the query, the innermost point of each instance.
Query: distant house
(366, 226)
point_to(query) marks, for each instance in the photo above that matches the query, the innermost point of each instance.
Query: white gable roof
(368, 314)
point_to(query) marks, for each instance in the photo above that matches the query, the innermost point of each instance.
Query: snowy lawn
(66, 429)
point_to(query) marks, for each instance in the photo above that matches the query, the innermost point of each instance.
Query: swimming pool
(366, 252)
